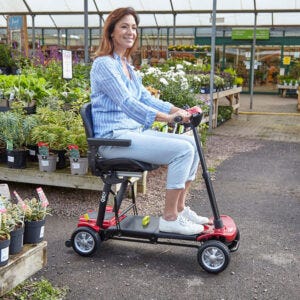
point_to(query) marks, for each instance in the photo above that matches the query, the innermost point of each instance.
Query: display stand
(232, 95)
(21, 266)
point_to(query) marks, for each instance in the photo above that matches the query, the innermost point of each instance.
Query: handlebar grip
(178, 119)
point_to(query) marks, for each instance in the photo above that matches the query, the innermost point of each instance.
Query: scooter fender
(227, 233)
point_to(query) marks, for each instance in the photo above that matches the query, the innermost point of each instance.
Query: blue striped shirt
(119, 103)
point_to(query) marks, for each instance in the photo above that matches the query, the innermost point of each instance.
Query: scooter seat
(123, 164)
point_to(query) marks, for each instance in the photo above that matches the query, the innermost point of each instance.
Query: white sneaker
(181, 225)
(193, 217)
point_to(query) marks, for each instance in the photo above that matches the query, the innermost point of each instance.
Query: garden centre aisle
(257, 163)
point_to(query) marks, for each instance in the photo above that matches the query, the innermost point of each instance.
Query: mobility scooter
(214, 244)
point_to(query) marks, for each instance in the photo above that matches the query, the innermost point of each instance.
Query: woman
(123, 108)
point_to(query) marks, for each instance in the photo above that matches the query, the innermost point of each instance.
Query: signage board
(15, 22)
(286, 60)
(67, 64)
(248, 33)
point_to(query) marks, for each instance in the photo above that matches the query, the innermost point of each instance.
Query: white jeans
(178, 151)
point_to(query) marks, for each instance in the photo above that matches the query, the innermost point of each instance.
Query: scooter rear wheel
(85, 241)
(213, 256)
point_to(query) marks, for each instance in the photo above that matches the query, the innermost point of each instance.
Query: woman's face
(124, 34)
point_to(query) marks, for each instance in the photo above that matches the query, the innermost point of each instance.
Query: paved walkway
(271, 118)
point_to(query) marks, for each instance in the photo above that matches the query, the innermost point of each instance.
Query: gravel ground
(71, 202)
(256, 184)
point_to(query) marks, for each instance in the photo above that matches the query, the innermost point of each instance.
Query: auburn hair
(106, 46)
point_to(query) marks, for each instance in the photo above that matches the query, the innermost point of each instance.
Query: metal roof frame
(194, 13)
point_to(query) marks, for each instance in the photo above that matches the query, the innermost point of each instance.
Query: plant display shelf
(60, 178)
(232, 95)
(285, 90)
(21, 266)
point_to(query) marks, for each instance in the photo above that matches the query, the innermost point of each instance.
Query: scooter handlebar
(196, 116)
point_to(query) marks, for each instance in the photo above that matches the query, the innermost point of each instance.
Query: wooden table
(232, 95)
(283, 89)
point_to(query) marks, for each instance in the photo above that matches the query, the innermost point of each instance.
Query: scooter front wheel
(85, 241)
(213, 256)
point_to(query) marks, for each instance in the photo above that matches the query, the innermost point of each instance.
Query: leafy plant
(238, 80)
(5, 56)
(36, 290)
(12, 128)
(54, 135)
(11, 217)
(34, 209)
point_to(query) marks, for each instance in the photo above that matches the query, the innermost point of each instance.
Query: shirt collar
(118, 57)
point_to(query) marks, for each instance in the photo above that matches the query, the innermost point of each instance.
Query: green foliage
(15, 127)
(224, 114)
(74, 92)
(295, 71)
(54, 135)
(35, 210)
(36, 290)
(5, 56)
(24, 88)
(59, 128)
(238, 80)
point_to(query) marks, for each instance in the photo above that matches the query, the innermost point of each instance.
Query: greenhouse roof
(155, 13)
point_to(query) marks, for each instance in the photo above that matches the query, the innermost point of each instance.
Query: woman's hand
(170, 118)
(182, 114)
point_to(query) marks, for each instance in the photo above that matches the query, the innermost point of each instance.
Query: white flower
(179, 67)
(163, 81)
(187, 63)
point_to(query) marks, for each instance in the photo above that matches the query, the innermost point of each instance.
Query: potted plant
(6, 60)
(13, 131)
(77, 148)
(5, 226)
(16, 216)
(54, 131)
(55, 136)
(35, 212)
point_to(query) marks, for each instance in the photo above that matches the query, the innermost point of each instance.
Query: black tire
(213, 256)
(85, 241)
(234, 245)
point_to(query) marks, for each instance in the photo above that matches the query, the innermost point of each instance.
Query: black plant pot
(34, 231)
(33, 153)
(61, 159)
(16, 240)
(17, 159)
(3, 155)
(4, 252)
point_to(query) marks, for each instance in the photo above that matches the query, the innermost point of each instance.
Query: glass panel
(291, 70)
(236, 57)
(13, 6)
(267, 68)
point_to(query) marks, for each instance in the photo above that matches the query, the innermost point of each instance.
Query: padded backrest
(86, 114)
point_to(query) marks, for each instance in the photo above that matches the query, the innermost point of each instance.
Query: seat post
(102, 203)
(120, 195)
